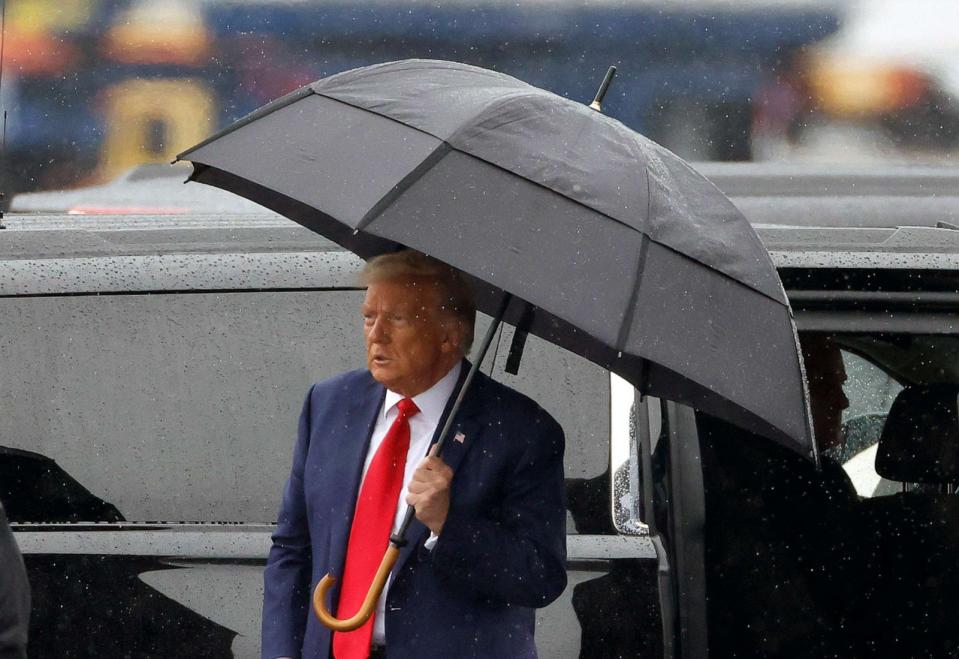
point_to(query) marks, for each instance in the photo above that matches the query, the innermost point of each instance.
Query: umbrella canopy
(623, 253)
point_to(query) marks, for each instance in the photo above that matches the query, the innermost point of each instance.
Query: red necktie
(370, 532)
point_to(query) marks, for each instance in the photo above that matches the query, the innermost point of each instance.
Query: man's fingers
(418, 486)
(429, 467)
(435, 464)
(429, 490)
(424, 474)
(431, 462)
(428, 486)
(420, 495)
(434, 450)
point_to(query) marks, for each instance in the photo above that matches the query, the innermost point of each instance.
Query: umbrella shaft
(398, 539)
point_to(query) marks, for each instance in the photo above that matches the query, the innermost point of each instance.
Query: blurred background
(94, 87)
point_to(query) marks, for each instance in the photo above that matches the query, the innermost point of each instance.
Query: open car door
(751, 563)
(673, 505)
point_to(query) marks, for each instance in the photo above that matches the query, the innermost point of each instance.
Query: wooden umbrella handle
(369, 604)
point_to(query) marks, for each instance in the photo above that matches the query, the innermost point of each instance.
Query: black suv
(153, 366)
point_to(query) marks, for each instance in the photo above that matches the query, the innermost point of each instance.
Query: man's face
(827, 374)
(410, 342)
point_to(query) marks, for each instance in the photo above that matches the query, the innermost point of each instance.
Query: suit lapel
(468, 425)
(464, 431)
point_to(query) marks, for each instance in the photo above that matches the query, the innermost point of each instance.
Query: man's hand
(429, 491)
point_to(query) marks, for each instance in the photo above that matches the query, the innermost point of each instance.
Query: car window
(871, 392)
(867, 396)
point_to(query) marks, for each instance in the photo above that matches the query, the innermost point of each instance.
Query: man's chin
(382, 374)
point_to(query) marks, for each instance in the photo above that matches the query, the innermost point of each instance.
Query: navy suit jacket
(501, 554)
(14, 595)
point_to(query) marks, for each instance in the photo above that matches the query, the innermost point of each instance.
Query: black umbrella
(610, 245)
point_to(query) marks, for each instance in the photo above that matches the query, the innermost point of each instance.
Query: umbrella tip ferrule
(597, 103)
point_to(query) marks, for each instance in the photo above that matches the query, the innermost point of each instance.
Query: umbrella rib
(404, 184)
(627, 325)
(640, 266)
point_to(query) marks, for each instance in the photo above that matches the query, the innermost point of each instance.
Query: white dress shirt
(431, 404)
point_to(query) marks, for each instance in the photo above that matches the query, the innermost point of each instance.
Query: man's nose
(377, 331)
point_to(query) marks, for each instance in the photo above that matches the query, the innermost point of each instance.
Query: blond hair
(455, 295)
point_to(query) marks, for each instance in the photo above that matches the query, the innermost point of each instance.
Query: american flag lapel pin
(459, 437)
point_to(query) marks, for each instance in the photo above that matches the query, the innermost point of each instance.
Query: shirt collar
(431, 402)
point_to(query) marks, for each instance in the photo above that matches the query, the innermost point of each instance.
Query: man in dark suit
(487, 546)
(14, 596)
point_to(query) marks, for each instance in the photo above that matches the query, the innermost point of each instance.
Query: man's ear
(455, 333)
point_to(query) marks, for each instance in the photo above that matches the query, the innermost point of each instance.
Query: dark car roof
(767, 193)
(155, 188)
(903, 248)
(801, 194)
(855, 226)
(71, 236)
(851, 216)
(62, 254)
